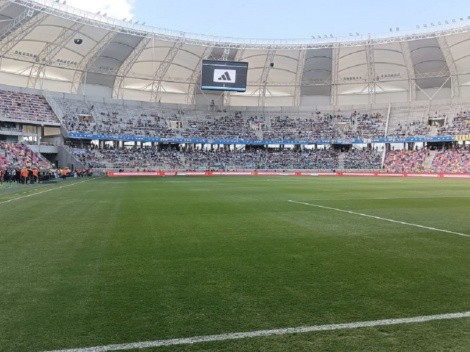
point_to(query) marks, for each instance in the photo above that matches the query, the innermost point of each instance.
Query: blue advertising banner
(263, 142)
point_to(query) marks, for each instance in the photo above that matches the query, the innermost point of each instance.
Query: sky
(281, 19)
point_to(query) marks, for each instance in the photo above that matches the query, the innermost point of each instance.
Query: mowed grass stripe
(264, 333)
(379, 218)
(108, 262)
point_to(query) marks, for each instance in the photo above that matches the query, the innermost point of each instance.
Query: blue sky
(297, 19)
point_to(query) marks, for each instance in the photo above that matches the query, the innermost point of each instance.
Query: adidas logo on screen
(225, 76)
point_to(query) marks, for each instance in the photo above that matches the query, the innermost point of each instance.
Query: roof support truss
(263, 82)
(51, 49)
(298, 76)
(239, 56)
(159, 75)
(334, 75)
(405, 49)
(86, 62)
(371, 79)
(13, 34)
(455, 84)
(193, 83)
(17, 22)
(127, 65)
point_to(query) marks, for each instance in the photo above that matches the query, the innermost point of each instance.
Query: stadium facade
(72, 81)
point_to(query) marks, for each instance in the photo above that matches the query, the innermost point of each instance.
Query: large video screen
(224, 75)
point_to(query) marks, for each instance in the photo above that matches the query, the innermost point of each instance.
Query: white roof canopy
(47, 45)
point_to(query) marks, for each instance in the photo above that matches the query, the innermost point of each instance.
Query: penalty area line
(42, 192)
(380, 218)
(264, 333)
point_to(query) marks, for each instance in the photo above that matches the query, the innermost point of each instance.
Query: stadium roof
(48, 45)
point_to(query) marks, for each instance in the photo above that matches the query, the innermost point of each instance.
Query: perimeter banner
(281, 173)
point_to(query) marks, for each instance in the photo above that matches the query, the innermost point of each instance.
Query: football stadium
(162, 191)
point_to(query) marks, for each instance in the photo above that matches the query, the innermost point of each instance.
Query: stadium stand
(20, 155)
(405, 160)
(131, 119)
(459, 125)
(25, 107)
(452, 161)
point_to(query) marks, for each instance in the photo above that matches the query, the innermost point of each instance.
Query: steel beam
(159, 75)
(86, 62)
(298, 76)
(17, 31)
(455, 83)
(51, 49)
(263, 82)
(190, 99)
(410, 70)
(61, 10)
(126, 66)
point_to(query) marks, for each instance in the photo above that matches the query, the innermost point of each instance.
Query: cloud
(118, 9)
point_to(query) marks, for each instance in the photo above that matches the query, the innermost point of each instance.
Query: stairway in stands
(427, 164)
(341, 158)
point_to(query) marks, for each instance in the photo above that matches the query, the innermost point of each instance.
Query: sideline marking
(380, 218)
(42, 192)
(261, 333)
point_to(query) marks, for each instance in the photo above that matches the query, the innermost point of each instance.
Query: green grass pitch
(111, 261)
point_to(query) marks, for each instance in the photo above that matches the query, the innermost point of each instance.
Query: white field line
(42, 192)
(380, 218)
(261, 333)
(389, 198)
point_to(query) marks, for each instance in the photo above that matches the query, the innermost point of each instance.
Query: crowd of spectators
(415, 128)
(20, 164)
(405, 160)
(368, 125)
(452, 161)
(148, 158)
(219, 159)
(460, 125)
(362, 160)
(119, 120)
(230, 126)
(20, 155)
(25, 107)
(224, 159)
